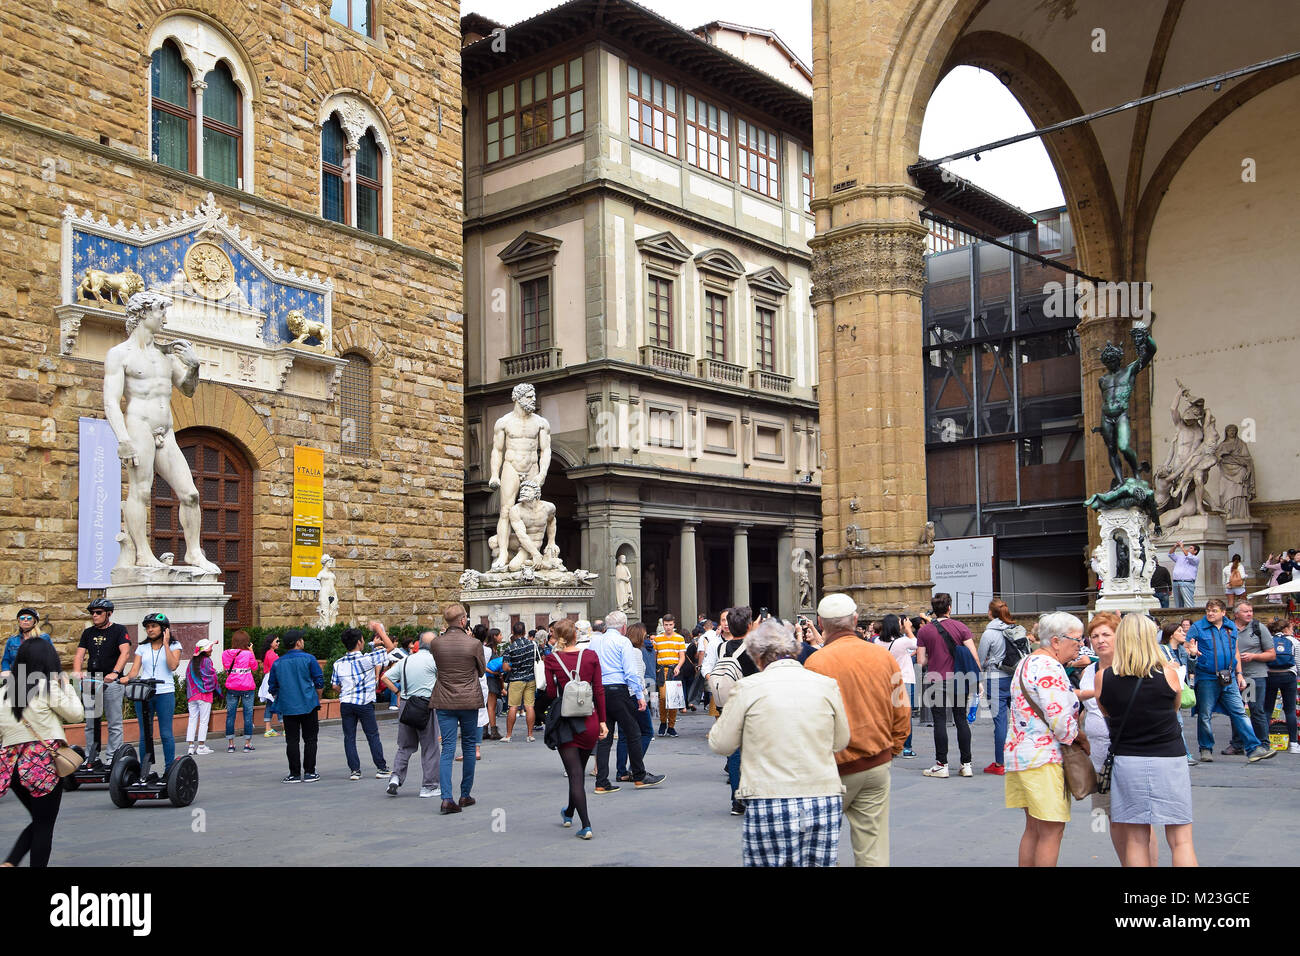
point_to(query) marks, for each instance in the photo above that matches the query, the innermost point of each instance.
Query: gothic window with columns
(200, 102)
(356, 166)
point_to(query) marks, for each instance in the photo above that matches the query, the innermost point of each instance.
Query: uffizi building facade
(636, 247)
(275, 169)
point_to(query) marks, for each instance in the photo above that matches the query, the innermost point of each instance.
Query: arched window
(334, 193)
(370, 188)
(222, 153)
(173, 109)
(356, 165)
(354, 406)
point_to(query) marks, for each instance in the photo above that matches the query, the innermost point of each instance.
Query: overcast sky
(969, 108)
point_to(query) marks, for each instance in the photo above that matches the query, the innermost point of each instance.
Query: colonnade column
(689, 579)
(740, 565)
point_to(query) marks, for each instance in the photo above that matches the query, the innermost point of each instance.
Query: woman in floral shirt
(1035, 777)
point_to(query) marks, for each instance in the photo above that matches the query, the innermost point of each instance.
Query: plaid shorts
(792, 831)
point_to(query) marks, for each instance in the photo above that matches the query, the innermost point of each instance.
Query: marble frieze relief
(252, 322)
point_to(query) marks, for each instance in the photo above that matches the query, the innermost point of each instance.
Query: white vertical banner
(99, 503)
(963, 567)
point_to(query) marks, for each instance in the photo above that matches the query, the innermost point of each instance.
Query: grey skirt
(1155, 790)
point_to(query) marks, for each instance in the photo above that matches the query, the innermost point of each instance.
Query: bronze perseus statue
(1116, 391)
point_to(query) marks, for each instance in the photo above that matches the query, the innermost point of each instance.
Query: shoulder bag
(1103, 778)
(1080, 775)
(539, 667)
(415, 710)
(66, 759)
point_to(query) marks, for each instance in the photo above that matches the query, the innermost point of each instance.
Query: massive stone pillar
(740, 565)
(689, 579)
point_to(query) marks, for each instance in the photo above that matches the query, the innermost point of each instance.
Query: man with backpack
(1255, 644)
(732, 665)
(1282, 678)
(946, 649)
(1002, 646)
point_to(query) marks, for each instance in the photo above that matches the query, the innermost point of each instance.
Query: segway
(132, 779)
(94, 770)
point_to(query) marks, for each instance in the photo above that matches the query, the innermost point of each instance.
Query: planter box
(329, 710)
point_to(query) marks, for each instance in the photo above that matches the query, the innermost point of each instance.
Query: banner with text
(99, 502)
(963, 567)
(308, 517)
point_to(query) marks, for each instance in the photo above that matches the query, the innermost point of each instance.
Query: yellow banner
(308, 517)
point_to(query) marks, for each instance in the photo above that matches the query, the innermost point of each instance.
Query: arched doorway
(225, 482)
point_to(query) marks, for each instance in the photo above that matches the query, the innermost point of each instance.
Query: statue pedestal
(1246, 538)
(1210, 534)
(194, 602)
(1127, 558)
(535, 605)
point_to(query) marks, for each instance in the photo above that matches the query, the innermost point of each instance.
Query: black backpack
(1016, 648)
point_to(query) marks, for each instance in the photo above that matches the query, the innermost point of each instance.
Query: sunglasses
(25, 617)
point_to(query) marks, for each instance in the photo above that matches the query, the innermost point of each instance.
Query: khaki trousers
(866, 809)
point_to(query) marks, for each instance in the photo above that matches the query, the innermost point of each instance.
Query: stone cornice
(868, 191)
(887, 256)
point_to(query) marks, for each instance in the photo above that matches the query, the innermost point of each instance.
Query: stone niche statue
(1181, 481)
(623, 596)
(800, 563)
(1236, 474)
(521, 451)
(145, 372)
(327, 600)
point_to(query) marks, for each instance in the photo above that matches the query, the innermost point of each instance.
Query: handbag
(539, 668)
(576, 700)
(1080, 775)
(415, 710)
(66, 759)
(1108, 765)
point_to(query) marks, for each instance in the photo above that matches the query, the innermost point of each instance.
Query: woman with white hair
(791, 722)
(1150, 780)
(1044, 715)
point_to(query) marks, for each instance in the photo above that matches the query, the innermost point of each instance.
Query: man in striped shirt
(355, 675)
(521, 692)
(670, 655)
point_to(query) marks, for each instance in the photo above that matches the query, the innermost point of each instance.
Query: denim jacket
(295, 679)
(1207, 638)
(11, 649)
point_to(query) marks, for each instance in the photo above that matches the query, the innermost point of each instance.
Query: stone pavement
(250, 819)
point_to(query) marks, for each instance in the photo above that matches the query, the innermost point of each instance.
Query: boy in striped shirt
(670, 654)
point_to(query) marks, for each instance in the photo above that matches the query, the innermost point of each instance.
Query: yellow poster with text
(308, 517)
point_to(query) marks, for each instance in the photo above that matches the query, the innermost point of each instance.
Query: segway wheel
(125, 773)
(71, 782)
(182, 781)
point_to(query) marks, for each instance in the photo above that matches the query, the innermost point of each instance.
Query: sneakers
(203, 749)
(737, 808)
(672, 732)
(1293, 749)
(1192, 761)
(663, 730)
(566, 820)
(995, 768)
(1231, 751)
(230, 748)
(430, 792)
(248, 748)
(382, 772)
(292, 778)
(584, 833)
(965, 771)
(310, 777)
(1260, 753)
(608, 788)
(938, 770)
(392, 707)
(1207, 756)
(355, 775)
(908, 753)
(650, 780)
(392, 787)
(271, 733)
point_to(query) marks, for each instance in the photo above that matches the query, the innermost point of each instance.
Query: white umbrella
(1291, 587)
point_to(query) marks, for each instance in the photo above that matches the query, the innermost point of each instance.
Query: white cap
(206, 644)
(835, 606)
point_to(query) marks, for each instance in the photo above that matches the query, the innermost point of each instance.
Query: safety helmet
(156, 618)
(100, 604)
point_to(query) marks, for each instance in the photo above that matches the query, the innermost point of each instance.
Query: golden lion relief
(303, 328)
(120, 286)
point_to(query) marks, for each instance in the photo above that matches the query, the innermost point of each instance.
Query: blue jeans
(647, 735)
(164, 707)
(448, 723)
(911, 699)
(365, 714)
(1210, 692)
(1163, 598)
(733, 772)
(999, 686)
(272, 710)
(1183, 593)
(234, 700)
(1254, 702)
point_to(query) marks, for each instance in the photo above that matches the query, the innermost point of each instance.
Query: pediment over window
(769, 280)
(529, 245)
(720, 262)
(665, 245)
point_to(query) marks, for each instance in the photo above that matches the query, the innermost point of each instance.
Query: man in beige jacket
(871, 686)
(792, 723)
